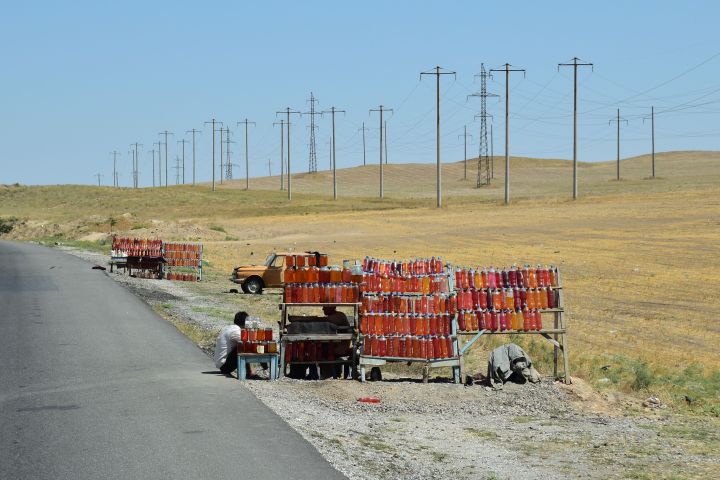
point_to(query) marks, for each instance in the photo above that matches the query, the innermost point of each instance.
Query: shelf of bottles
(135, 247)
(309, 279)
(506, 300)
(311, 282)
(183, 261)
(257, 341)
(407, 311)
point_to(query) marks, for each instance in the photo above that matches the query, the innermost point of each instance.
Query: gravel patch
(442, 430)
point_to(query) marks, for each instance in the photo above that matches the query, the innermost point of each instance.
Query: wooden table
(245, 358)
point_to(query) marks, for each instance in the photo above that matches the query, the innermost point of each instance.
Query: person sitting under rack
(226, 346)
(342, 349)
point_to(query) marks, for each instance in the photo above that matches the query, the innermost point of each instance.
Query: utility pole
(312, 160)
(575, 66)
(115, 153)
(507, 71)
(652, 126)
(247, 158)
(136, 164)
(289, 111)
(437, 74)
(98, 176)
(159, 164)
(484, 166)
(166, 133)
(183, 141)
(282, 152)
(332, 112)
(363, 135)
(213, 122)
(269, 169)
(618, 120)
(465, 137)
(381, 109)
(153, 164)
(193, 131)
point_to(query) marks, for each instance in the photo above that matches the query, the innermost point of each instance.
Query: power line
(575, 66)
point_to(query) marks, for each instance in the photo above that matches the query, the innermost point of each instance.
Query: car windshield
(269, 260)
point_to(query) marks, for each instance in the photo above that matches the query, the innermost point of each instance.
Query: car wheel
(244, 288)
(253, 286)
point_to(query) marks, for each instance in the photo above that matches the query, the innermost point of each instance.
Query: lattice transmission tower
(312, 160)
(484, 174)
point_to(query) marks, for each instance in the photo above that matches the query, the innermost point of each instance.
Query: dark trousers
(230, 364)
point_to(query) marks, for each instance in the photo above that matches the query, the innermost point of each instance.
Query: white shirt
(226, 342)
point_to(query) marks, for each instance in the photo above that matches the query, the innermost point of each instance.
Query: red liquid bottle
(551, 298)
(502, 318)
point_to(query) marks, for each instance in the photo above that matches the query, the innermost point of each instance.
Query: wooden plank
(325, 337)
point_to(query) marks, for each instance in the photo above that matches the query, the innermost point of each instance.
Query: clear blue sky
(80, 79)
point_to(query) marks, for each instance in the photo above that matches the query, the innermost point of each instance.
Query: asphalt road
(93, 384)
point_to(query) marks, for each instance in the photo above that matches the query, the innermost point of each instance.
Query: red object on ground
(368, 400)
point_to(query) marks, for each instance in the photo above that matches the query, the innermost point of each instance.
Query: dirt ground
(443, 430)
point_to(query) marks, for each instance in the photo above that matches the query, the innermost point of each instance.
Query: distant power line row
(485, 167)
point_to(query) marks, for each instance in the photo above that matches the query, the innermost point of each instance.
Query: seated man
(342, 349)
(226, 346)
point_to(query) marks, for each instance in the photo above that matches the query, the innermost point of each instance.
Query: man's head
(329, 309)
(240, 318)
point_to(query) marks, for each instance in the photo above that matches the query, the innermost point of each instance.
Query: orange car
(254, 278)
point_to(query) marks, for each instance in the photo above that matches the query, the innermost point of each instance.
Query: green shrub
(7, 224)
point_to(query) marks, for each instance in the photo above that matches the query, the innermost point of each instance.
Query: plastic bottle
(492, 280)
(509, 299)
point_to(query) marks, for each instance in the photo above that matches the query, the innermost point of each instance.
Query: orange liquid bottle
(533, 278)
(509, 299)
(544, 298)
(497, 300)
(531, 299)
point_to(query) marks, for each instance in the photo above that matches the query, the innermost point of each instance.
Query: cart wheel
(375, 374)
(253, 285)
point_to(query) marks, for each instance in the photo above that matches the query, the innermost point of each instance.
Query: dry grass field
(640, 257)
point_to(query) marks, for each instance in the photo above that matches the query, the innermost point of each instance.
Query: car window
(269, 260)
(279, 261)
